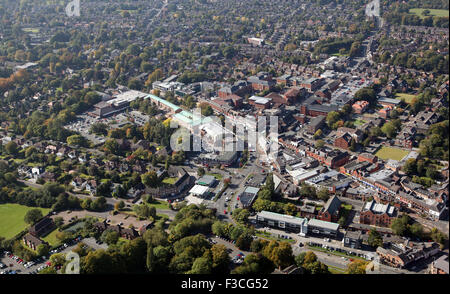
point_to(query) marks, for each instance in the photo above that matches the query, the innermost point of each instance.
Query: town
(224, 137)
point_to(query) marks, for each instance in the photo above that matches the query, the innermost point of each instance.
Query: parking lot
(11, 264)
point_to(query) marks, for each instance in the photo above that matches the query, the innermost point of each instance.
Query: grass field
(51, 238)
(159, 204)
(433, 12)
(408, 97)
(169, 181)
(391, 153)
(359, 122)
(11, 219)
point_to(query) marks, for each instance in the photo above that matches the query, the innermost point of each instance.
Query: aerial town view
(224, 137)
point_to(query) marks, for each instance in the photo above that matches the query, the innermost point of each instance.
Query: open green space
(11, 219)
(359, 122)
(408, 97)
(158, 204)
(269, 236)
(216, 175)
(433, 12)
(336, 270)
(337, 253)
(51, 239)
(170, 181)
(391, 153)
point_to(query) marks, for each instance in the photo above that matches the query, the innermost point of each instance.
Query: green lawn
(391, 153)
(337, 253)
(408, 97)
(433, 12)
(11, 219)
(336, 270)
(169, 181)
(359, 122)
(217, 176)
(51, 239)
(159, 204)
(269, 236)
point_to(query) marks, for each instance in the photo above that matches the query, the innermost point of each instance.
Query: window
(271, 223)
(282, 224)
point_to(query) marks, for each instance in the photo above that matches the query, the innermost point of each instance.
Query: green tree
(32, 216)
(375, 239)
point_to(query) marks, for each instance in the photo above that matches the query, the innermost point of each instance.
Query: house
(330, 212)
(402, 255)
(32, 241)
(91, 186)
(42, 227)
(440, 266)
(344, 141)
(360, 107)
(316, 123)
(377, 214)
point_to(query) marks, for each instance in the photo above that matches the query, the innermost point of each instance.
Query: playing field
(11, 219)
(391, 153)
(433, 12)
(408, 97)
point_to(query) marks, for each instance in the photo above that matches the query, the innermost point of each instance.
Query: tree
(375, 239)
(12, 148)
(319, 143)
(111, 146)
(33, 215)
(201, 265)
(42, 250)
(323, 194)
(357, 267)
(109, 237)
(280, 253)
(410, 166)
(241, 215)
(200, 171)
(76, 140)
(389, 129)
(150, 179)
(400, 225)
(221, 259)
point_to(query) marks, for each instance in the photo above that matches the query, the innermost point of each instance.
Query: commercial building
(248, 196)
(323, 228)
(377, 214)
(283, 222)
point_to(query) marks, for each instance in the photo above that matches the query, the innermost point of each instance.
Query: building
(42, 227)
(360, 107)
(284, 222)
(248, 196)
(352, 239)
(316, 123)
(207, 180)
(402, 255)
(377, 214)
(344, 141)
(323, 228)
(330, 212)
(199, 191)
(127, 233)
(32, 241)
(440, 266)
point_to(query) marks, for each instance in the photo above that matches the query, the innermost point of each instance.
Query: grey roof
(206, 180)
(323, 224)
(281, 217)
(333, 204)
(251, 190)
